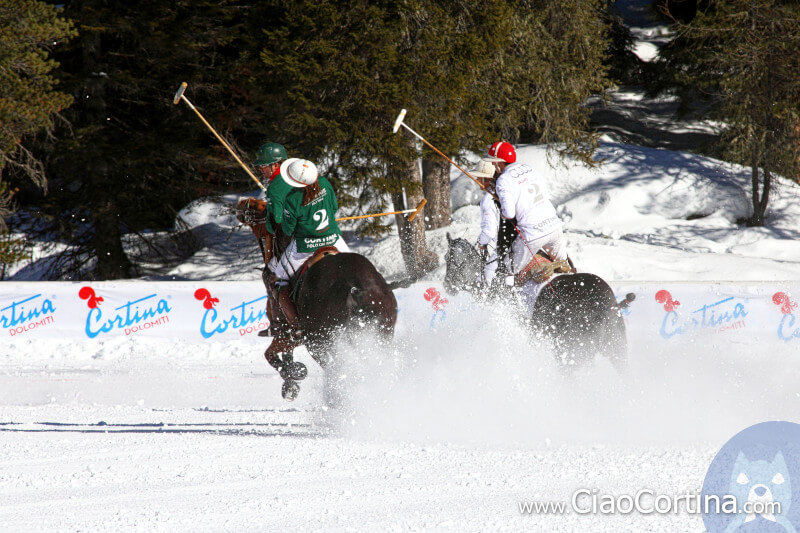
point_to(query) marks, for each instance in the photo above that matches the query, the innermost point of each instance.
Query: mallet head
(399, 121)
(179, 94)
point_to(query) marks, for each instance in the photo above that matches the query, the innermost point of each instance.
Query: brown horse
(341, 294)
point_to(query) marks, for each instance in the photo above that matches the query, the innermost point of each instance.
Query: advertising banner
(764, 313)
(185, 310)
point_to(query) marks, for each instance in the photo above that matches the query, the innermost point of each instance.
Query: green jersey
(314, 225)
(277, 191)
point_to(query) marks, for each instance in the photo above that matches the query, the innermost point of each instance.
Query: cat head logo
(764, 482)
(758, 470)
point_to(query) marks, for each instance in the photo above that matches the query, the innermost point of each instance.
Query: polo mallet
(412, 217)
(399, 122)
(180, 96)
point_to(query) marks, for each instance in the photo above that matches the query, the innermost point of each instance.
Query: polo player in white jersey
(524, 196)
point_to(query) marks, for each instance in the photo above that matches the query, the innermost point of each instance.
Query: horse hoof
(290, 390)
(294, 371)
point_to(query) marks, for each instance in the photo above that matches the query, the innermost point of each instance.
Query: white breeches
(552, 243)
(291, 260)
(490, 267)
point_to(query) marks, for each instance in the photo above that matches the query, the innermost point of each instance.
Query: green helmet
(270, 153)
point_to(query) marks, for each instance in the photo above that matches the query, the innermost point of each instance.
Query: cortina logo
(133, 316)
(786, 329)
(247, 317)
(27, 314)
(722, 315)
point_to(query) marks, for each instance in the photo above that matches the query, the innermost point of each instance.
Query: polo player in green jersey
(309, 217)
(268, 161)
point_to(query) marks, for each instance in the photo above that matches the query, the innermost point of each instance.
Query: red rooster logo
(203, 294)
(435, 297)
(782, 299)
(664, 297)
(87, 293)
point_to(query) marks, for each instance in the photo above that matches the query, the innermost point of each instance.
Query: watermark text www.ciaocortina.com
(646, 501)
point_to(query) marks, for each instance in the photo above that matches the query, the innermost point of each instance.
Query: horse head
(463, 266)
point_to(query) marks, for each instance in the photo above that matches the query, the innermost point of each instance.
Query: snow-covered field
(449, 428)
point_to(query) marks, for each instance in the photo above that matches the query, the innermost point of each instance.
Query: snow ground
(447, 429)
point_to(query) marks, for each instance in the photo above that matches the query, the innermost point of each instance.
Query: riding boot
(289, 312)
(268, 237)
(276, 325)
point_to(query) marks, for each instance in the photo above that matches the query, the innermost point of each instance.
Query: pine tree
(465, 70)
(130, 159)
(744, 55)
(29, 101)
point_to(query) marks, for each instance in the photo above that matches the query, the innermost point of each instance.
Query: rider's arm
(289, 219)
(506, 195)
(276, 195)
(490, 221)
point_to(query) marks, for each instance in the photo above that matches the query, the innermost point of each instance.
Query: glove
(251, 211)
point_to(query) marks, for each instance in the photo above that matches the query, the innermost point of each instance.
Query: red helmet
(502, 151)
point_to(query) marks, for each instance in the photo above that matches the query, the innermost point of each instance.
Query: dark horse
(576, 312)
(343, 293)
(340, 294)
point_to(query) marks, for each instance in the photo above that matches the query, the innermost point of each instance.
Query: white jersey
(490, 221)
(523, 195)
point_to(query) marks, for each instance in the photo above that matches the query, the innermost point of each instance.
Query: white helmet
(484, 169)
(298, 172)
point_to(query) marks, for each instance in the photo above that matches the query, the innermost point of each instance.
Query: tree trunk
(760, 191)
(112, 263)
(416, 255)
(761, 200)
(436, 185)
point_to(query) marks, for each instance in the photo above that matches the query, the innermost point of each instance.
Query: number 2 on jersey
(321, 216)
(536, 192)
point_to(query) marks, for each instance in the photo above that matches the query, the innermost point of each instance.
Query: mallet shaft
(225, 144)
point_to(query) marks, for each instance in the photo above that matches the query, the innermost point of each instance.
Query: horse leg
(279, 356)
(333, 387)
(320, 351)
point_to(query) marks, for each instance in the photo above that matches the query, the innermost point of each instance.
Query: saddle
(541, 269)
(299, 276)
(275, 316)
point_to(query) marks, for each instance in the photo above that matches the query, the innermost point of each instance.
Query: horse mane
(463, 264)
(464, 246)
